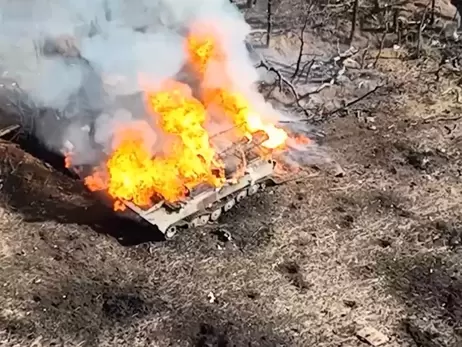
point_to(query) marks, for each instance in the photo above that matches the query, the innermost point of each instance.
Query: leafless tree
(269, 19)
(302, 47)
(432, 16)
(354, 20)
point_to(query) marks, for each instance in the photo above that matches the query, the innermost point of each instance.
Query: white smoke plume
(108, 45)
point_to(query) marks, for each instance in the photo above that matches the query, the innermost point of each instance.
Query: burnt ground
(308, 263)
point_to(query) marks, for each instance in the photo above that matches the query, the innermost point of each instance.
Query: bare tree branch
(302, 47)
(317, 90)
(419, 34)
(354, 20)
(308, 65)
(432, 16)
(8, 129)
(281, 80)
(363, 56)
(351, 103)
(269, 22)
(382, 42)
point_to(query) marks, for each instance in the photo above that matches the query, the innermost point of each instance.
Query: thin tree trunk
(354, 20)
(269, 24)
(302, 47)
(432, 17)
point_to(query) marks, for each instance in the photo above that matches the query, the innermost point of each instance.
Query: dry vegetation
(308, 263)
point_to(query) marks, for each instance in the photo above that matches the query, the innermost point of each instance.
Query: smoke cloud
(81, 58)
(88, 61)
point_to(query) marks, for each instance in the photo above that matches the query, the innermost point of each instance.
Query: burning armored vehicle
(181, 150)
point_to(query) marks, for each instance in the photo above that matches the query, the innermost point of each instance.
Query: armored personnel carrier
(247, 172)
(249, 167)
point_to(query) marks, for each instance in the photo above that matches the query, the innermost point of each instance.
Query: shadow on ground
(427, 283)
(430, 286)
(90, 310)
(44, 191)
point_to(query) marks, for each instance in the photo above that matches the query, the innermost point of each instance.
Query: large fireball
(133, 173)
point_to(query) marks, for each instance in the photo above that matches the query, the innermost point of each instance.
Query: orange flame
(237, 108)
(133, 173)
(67, 161)
(202, 50)
(184, 117)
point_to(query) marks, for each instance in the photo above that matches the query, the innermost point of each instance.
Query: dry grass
(309, 262)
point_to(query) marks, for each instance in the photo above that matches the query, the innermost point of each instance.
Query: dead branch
(432, 15)
(344, 55)
(420, 31)
(353, 102)
(354, 20)
(363, 56)
(457, 91)
(441, 119)
(308, 66)
(269, 21)
(8, 129)
(281, 80)
(382, 42)
(302, 47)
(318, 90)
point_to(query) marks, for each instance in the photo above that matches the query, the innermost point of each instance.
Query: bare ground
(308, 263)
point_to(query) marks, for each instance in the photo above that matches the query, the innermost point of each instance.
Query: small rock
(372, 127)
(342, 80)
(372, 336)
(211, 297)
(351, 63)
(223, 235)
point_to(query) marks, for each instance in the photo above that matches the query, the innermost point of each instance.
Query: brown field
(308, 263)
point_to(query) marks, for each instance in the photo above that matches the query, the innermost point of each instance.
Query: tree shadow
(430, 287)
(427, 283)
(419, 265)
(91, 310)
(257, 23)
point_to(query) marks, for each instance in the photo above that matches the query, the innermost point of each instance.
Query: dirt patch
(40, 193)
